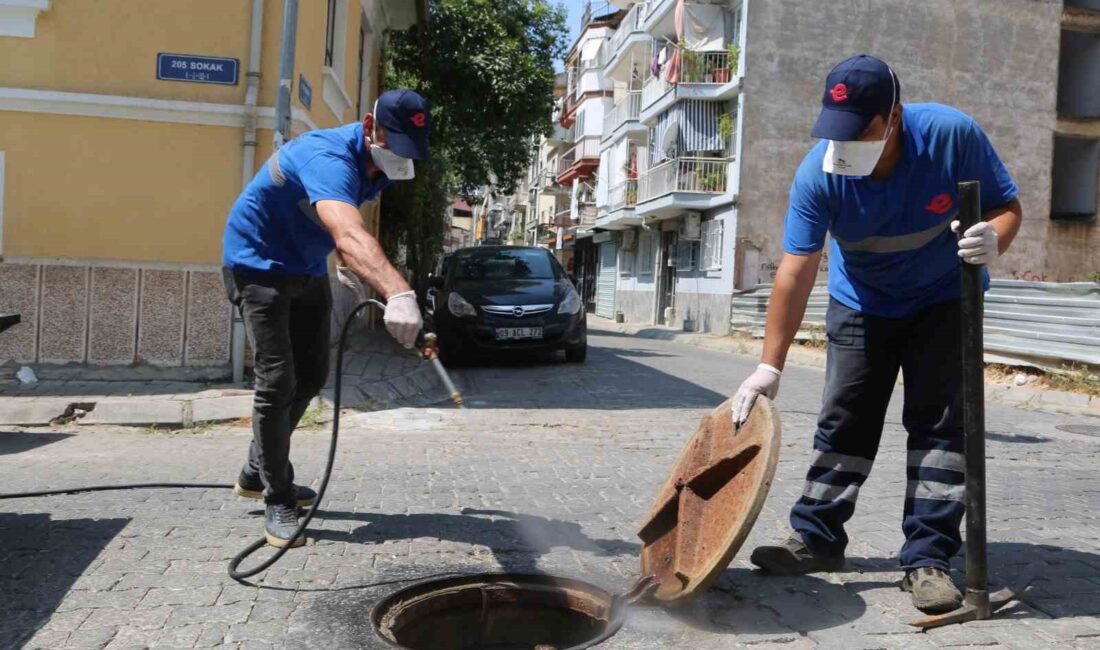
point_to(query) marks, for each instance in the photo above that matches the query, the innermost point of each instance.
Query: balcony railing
(586, 215)
(631, 24)
(563, 218)
(701, 175)
(654, 89)
(625, 111)
(588, 147)
(623, 195)
(704, 67)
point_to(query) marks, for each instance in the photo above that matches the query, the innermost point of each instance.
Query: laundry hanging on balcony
(704, 27)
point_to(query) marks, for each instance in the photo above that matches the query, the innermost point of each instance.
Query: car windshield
(503, 264)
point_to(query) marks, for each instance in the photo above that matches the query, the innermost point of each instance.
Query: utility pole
(286, 72)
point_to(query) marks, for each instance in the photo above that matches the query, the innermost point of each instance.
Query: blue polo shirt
(892, 250)
(274, 227)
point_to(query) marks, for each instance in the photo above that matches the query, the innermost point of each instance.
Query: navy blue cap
(407, 120)
(856, 91)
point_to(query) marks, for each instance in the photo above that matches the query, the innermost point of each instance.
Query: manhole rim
(615, 620)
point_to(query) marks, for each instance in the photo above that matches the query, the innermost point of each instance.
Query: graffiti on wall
(1029, 275)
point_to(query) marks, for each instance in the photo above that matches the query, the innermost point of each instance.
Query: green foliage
(725, 128)
(487, 69)
(735, 58)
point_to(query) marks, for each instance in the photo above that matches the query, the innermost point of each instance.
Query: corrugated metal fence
(1044, 324)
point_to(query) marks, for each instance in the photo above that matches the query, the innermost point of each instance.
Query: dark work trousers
(865, 353)
(286, 318)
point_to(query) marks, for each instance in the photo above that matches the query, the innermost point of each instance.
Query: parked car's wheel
(577, 354)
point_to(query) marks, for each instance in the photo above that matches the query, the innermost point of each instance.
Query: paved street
(551, 470)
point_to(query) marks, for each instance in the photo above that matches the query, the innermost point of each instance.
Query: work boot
(932, 590)
(251, 487)
(794, 558)
(280, 522)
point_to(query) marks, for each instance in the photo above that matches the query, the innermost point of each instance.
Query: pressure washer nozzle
(456, 397)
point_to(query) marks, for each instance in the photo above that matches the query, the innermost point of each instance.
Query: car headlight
(571, 304)
(459, 307)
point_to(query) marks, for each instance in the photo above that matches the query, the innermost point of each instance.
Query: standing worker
(302, 205)
(882, 183)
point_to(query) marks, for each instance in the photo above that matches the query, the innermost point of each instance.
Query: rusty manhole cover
(709, 503)
(1080, 429)
(497, 612)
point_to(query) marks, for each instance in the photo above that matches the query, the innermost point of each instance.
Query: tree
(487, 69)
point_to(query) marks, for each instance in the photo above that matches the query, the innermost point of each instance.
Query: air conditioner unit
(628, 240)
(691, 227)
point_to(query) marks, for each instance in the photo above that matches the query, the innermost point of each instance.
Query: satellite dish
(670, 136)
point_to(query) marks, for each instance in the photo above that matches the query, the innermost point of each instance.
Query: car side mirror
(435, 281)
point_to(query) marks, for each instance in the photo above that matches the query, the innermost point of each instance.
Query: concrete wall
(995, 59)
(108, 315)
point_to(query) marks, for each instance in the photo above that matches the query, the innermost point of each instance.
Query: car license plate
(509, 333)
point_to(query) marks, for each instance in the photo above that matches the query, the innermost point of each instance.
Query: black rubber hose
(234, 573)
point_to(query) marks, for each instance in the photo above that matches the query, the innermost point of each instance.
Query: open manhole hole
(1080, 429)
(498, 612)
(701, 516)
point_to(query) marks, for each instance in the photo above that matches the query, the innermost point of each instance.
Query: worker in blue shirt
(300, 207)
(882, 184)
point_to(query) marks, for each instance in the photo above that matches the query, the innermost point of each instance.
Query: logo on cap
(940, 203)
(839, 93)
(419, 120)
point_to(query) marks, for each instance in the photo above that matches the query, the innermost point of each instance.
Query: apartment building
(127, 129)
(711, 106)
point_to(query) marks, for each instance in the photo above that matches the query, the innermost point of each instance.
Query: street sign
(198, 69)
(305, 92)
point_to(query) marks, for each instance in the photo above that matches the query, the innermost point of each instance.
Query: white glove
(403, 318)
(978, 244)
(763, 381)
(351, 280)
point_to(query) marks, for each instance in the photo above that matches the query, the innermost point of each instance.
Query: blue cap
(407, 120)
(856, 91)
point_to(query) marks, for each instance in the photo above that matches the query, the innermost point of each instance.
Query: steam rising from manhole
(497, 612)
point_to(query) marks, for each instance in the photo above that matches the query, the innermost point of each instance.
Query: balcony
(624, 113)
(561, 134)
(579, 161)
(628, 43)
(563, 218)
(621, 201)
(703, 75)
(683, 184)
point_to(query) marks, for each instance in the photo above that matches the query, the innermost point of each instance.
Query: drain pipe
(248, 165)
(286, 72)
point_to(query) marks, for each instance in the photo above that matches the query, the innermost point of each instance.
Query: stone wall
(994, 59)
(103, 315)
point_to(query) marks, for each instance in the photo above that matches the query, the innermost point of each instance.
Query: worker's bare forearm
(362, 253)
(1006, 221)
(794, 280)
(358, 249)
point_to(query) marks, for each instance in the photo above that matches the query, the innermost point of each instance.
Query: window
(712, 245)
(626, 262)
(686, 254)
(1076, 168)
(646, 253)
(330, 33)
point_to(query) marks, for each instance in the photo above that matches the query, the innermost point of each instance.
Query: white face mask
(393, 166)
(855, 158)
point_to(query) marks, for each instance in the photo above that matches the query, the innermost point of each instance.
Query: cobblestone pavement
(551, 471)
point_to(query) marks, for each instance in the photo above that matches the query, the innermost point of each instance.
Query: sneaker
(794, 558)
(932, 590)
(280, 522)
(251, 487)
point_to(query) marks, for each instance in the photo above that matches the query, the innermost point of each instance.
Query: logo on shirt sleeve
(940, 204)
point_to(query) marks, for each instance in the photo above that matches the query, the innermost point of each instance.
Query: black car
(500, 298)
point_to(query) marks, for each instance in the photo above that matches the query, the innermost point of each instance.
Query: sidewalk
(1021, 396)
(378, 374)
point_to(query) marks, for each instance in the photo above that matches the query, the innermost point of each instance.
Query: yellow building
(127, 129)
